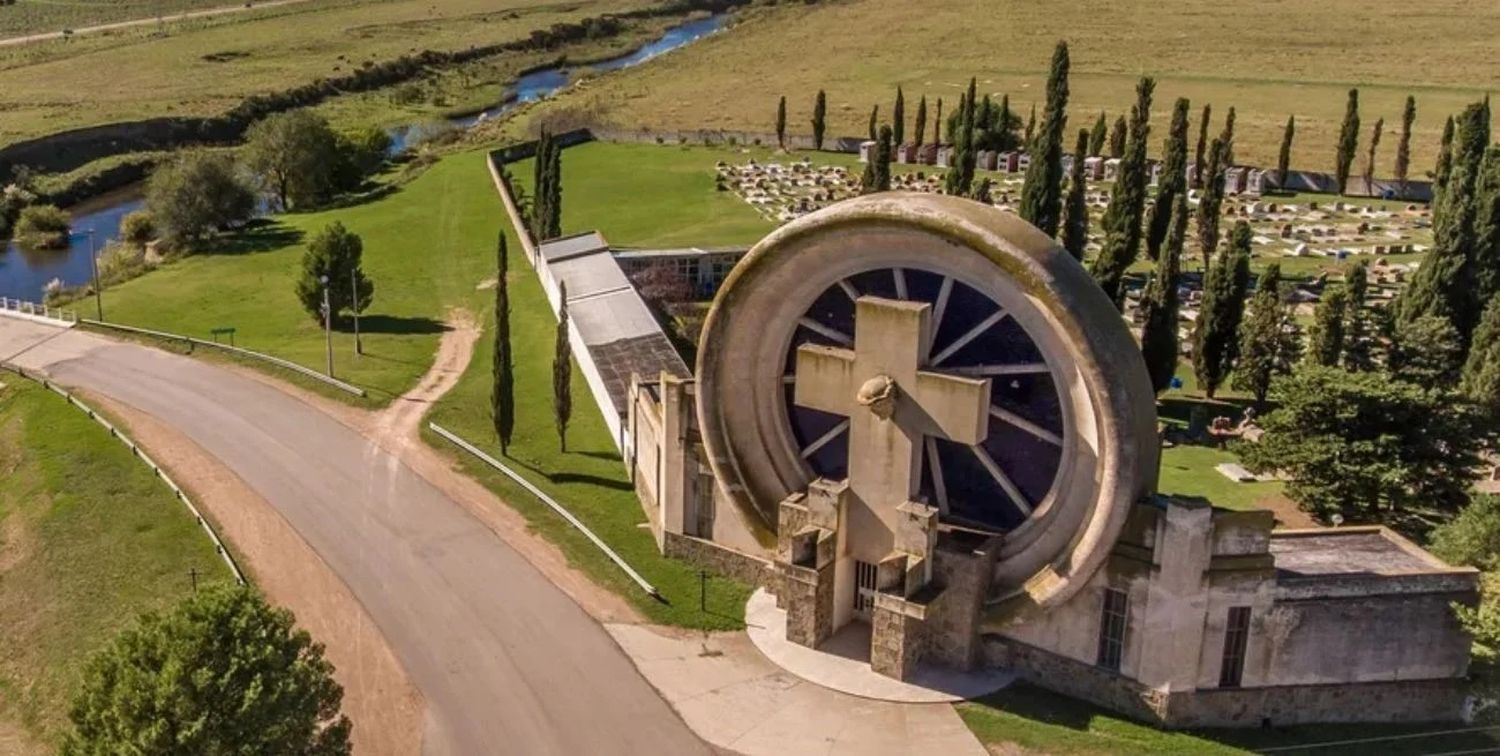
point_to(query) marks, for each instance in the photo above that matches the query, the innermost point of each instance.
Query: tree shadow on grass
(561, 478)
(259, 235)
(392, 324)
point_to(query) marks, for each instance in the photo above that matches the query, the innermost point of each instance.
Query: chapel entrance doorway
(864, 590)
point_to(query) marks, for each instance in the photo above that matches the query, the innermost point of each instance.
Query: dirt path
(387, 710)
(204, 13)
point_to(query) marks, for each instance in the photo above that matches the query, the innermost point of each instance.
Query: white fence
(144, 457)
(38, 313)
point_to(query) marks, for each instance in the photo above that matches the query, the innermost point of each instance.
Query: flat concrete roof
(564, 247)
(1350, 551)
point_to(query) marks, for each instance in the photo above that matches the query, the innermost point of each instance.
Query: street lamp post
(98, 292)
(359, 348)
(327, 324)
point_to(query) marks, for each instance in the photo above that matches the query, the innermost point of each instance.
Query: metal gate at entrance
(864, 589)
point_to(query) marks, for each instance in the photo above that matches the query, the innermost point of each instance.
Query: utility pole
(359, 348)
(193, 575)
(98, 293)
(327, 324)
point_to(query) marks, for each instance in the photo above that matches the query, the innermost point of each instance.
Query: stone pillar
(809, 546)
(896, 636)
(675, 489)
(1172, 629)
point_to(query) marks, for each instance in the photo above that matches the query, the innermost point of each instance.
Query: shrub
(137, 227)
(43, 227)
(196, 194)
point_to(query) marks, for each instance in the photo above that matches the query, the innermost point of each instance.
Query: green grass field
(1269, 59)
(39, 16)
(89, 538)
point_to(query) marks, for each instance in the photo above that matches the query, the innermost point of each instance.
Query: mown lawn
(1025, 719)
(89, 539)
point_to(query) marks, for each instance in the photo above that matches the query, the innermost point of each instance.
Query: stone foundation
(807, 596)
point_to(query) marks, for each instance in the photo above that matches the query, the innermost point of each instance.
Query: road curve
(507, 663)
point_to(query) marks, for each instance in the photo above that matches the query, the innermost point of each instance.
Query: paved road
(204, 13)
(506, 662)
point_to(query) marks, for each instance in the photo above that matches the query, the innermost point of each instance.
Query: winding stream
(25, 272)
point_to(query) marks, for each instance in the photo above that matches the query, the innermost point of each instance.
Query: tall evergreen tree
(1098, 136)
(898, 118)
(503, 391)
(920, 125)
(1480, 381)
(1267, 338)
(1359, 341)
(1159, 303)
(1216, 332)
(1485, 260)
(555, 188)
(1444, 165)
(1211, 203)
(1403, 145)
(1031, 122)
(878, 170)
(781, 123)
(1199, 154)
(1426, 352)
(541, 190)
(1041, 195)
(1375, 133)
(1227, 137)
(937, 123)
(1325, 345)
(1118, 136)
(819, 119)
(1075, 228)
(960, 177)
(562, 371)
(1348, 142)
(1127, 200)
(1284, 161)
(874, 116)
(1173, 179)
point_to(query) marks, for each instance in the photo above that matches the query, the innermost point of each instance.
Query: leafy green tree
(42, 227)
(335, 254)
(1426, 352)
(1362, 443)
(1348, 143)
(1481, 374)
(781, 122)
(1268, 338)
(221, 673)
(1118, 137)
(1200, 152)
(1403, 144)
(1160, 304)
(1359, 337)
(1127, 200)
(1173, 179)
(920, 125)
(898, 118)
(1098, 136)
(503, 390)
(137, 227)
(294, 157)
(1041, 194)
(1375, 133)
(1075, 228)
(1473, 537)
(1325, 344)
(1210, 205)
(562, 371)
(819, 119)
(1284, 161)
(1216, 332)
(360, 153)
(195, 194)
(874, 116)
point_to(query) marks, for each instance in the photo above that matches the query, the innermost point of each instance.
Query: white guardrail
(40, 313)
(550, 502)
(241, 351)
(144, 457)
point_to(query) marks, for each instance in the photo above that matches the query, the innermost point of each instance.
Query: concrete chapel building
(918, 416)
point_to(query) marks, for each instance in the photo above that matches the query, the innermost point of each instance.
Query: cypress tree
(1443, 286)
(1041, 195)
(937, 123)
(562, 372)
(1375, 134)
(503, 391)
(1227, 137)
(1426, 352)
(555, 186)
(1004, 124)
(1284, 162)
(1266, 345)
(1173, 179)
(1485, 259)
(960, 177)
(540, 186)
(1216, 333)
(920, 126)
(1444, 162)
(1127, 200)
(1403, 145)
(1348, 142)
(1198, 154)
(819, 119)
(1075, 229)
(1031, 122)
(1480, 380)
(1211, 203)
(898, 117)
(1118, 137)
(781, 123)
(1159, 303)
(1325, 344)
(1358, 341)
(1098, 135)
(878, 170)
(874, 116)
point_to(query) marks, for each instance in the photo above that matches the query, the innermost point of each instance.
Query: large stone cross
(893, 405)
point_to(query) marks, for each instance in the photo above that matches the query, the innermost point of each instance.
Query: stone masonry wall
(719, 560)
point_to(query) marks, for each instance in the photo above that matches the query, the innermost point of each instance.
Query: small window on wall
(1112, 629)
(1236, 637)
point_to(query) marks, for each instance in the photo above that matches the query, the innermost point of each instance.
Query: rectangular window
(1112, 629)
(1236, 637)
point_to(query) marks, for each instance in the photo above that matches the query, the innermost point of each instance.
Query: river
(25, 273)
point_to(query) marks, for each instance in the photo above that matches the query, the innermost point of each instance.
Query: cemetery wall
(511, 210)
(720, 560)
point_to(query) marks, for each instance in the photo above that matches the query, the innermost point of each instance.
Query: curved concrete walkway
(504, 660)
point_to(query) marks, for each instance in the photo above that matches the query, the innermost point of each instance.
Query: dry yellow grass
(1269, 58)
